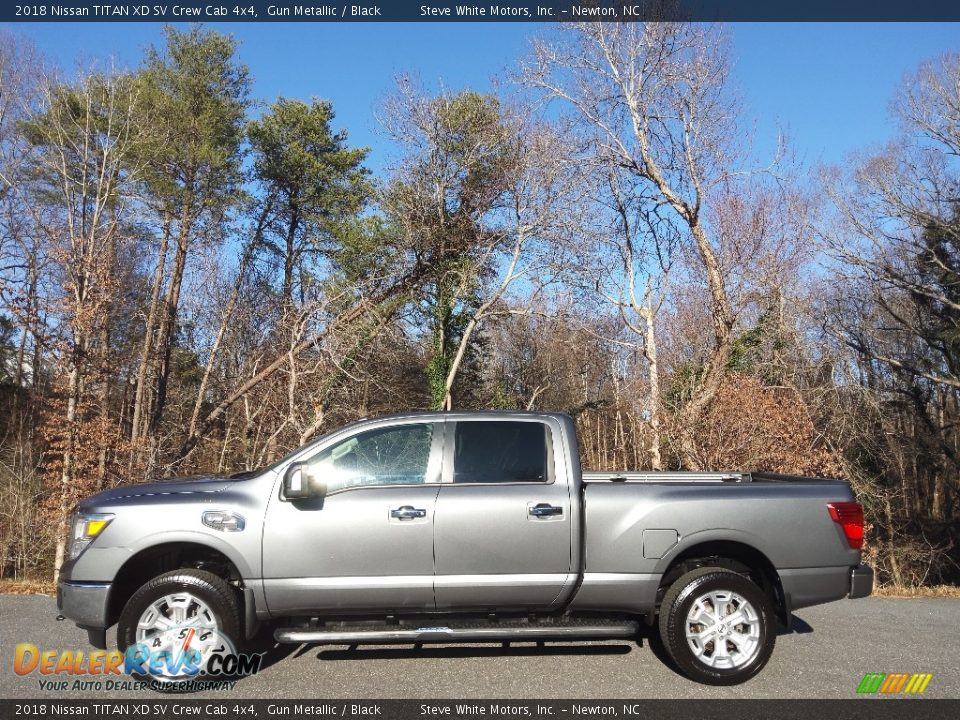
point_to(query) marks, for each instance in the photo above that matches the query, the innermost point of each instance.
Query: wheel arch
(741, 557)
(149, 562)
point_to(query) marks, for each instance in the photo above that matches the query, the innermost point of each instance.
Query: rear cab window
(502, 451)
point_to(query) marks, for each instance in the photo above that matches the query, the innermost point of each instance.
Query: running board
(442, 634)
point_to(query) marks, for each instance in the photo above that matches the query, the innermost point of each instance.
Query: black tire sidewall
(675, 636)
(211, 589)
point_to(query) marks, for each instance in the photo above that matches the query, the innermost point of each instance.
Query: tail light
(849, 516)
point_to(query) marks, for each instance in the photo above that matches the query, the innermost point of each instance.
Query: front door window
(398, 455)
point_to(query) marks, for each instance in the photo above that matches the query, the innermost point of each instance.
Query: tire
(195, 598)
(719, 653)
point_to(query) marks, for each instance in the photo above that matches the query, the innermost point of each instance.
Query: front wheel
(177, 621)
(718, 626)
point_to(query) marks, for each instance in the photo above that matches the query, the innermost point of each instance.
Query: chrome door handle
(544, 510)
(407, 512)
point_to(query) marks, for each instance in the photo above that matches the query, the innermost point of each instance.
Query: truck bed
(637, 522)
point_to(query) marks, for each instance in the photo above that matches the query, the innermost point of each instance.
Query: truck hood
(196, 485)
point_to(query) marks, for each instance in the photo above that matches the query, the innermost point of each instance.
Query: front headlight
(86, 527)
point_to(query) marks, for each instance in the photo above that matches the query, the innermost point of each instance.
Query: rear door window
(501, 452)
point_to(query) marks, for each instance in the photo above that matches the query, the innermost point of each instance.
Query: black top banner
(503, 11)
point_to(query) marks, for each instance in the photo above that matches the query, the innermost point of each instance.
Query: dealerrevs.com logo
(188, 657)
(894, 683)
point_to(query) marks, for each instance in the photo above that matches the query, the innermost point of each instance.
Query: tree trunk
(66, 471)
(31, 325)
(891, 544)
(146, 356)
(290, 259)
(653, 377)
(168, 323)
(103, 400)
(716, 367)
(456, 362)
(227, 313)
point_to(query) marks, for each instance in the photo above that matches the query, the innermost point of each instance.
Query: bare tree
(84, 137)
(535, 224)
(899, 232)
(627, 260)
(651, 99)
(896, 247)
(21, 254)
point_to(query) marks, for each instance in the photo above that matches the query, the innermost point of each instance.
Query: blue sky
(827, 85)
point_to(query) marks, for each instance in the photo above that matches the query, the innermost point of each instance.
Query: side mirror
(299, 483)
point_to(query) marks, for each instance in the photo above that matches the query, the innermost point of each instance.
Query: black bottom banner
(175, 707)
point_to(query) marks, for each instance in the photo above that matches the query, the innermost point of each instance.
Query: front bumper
(86, 603)
(861, 581)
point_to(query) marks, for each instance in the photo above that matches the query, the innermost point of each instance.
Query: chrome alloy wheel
(177, 627)
(723, 629)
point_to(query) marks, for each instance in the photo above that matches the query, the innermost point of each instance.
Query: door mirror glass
(299, 483)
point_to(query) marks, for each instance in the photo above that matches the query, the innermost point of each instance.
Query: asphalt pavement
(826, 655)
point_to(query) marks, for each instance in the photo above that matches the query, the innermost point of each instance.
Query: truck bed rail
(666, 476)
(679, 476)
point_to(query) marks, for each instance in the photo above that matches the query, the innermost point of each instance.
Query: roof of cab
(463, 414)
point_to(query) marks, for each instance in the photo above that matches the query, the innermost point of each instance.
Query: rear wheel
(718, 626)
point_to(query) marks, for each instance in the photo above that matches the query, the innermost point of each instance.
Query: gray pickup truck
(477, 526)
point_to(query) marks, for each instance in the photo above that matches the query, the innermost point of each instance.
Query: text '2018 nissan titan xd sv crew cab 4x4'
(466, 526)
